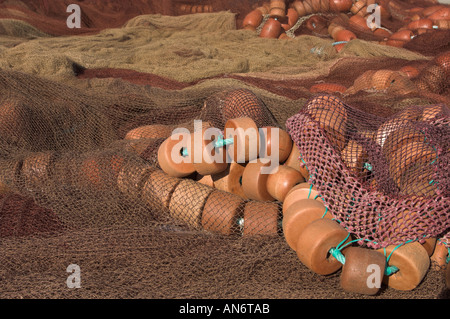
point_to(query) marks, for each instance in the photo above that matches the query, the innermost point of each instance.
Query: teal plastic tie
(389, 270)
(326, 211)
(339, 42)
(220, 142)
(304, 162)
(447, 260)
(336, 252)
(315, 197)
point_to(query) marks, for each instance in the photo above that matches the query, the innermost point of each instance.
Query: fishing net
(85, 113)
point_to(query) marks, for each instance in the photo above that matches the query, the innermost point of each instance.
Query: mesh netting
(383, 179)
(85, 113)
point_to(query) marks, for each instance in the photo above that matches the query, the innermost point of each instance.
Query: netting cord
(309, 194)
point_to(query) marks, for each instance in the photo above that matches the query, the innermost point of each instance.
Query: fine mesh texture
(76, 191)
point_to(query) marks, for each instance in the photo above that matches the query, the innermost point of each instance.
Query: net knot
(336, 253)
(390, 270)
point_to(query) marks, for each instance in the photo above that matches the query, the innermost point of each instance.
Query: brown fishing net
(84, 114)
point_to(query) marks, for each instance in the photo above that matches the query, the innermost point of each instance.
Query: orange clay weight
(274, 140)
(411, 153)
(432, 112)
(324, 6)
(9, 174)
(278, 9)
(205, 180)
(439, 257)
(357, 6)
(149, 131)
(260, 218)
(254, 180)
(265, 8)
(341, 5)
(316, 241)
(334, 28)
(294, 161)
(253, 19)
(279, 183)
(429, 244)
(171, 158)
(230, 180)
(400, 38)
(417, 181)
(36, 168)
(271, 29)
(343, 36)
(412, 261)
(132, 177)
(158, 189)
(207, 157)
(221, 212)
(299, 7)
(401, 137)
(187, 202)
(388, 128)
(292, 18)
(245, 135)
(299, 215)
(299, 192)
(136, 146)
(316, 5)
(358, 270)
(354, 157)
(331, 114)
